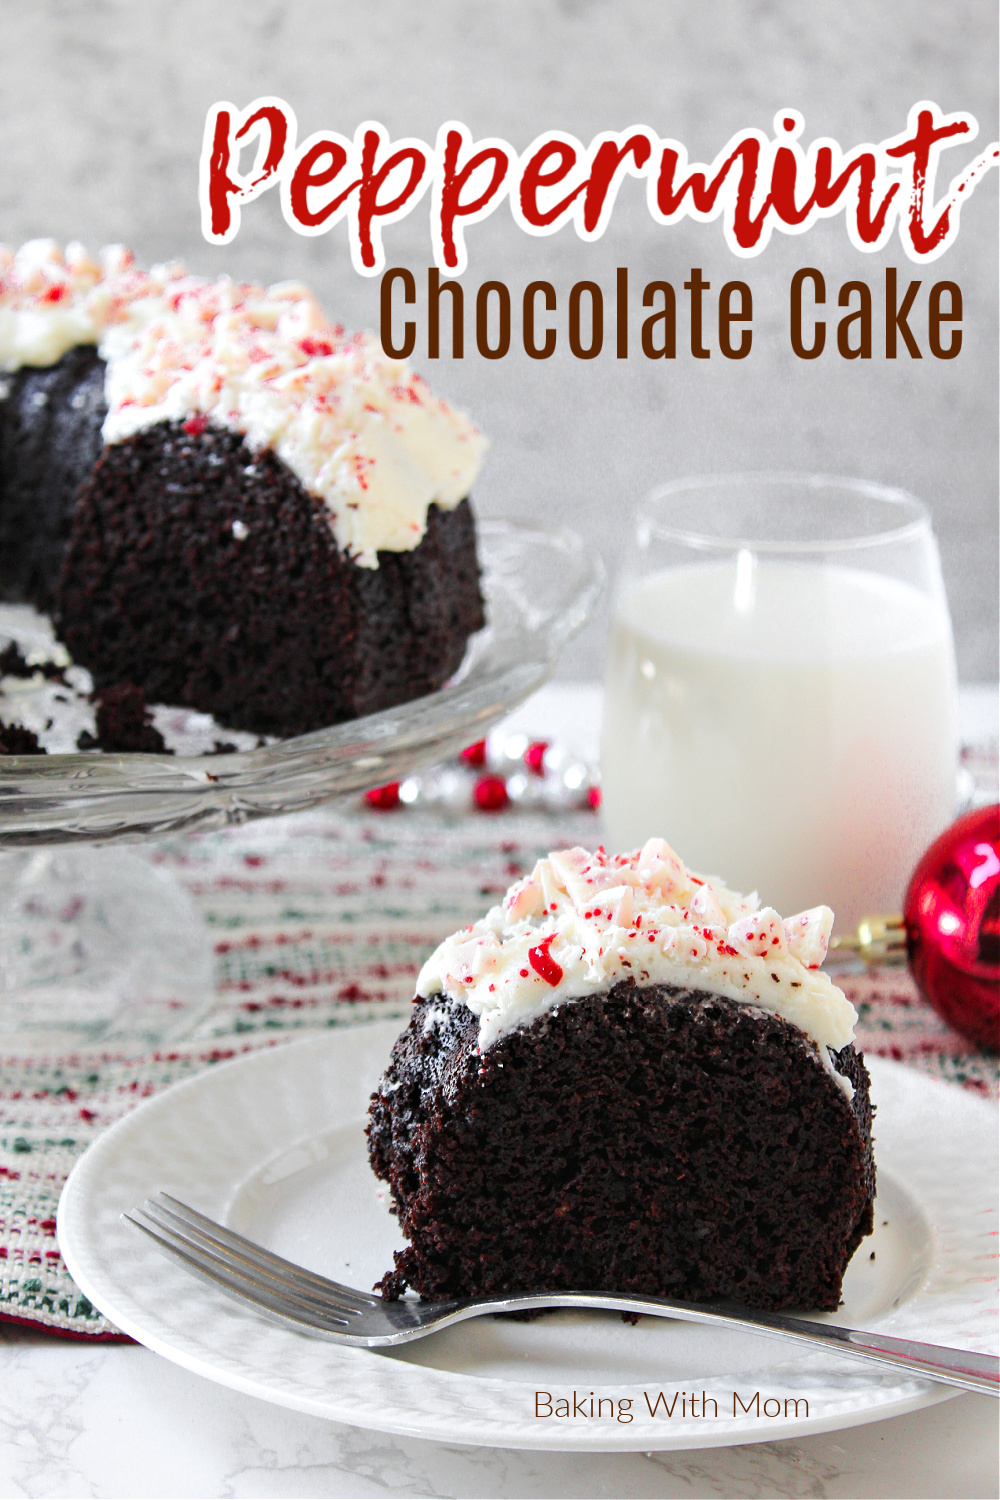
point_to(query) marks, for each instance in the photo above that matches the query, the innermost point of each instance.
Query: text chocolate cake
(628, 1078)
(224, 500)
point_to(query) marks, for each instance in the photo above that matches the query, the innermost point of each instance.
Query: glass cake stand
(98, 944)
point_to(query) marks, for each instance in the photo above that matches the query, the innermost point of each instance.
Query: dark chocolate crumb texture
(646, 1133)
(16, 740)
(225, 501)
(123, 723)
(288, 634)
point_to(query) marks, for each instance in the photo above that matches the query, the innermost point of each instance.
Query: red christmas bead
(474, 755)
(534, 756)
(385, 798)
(952, 916)
(490, 794)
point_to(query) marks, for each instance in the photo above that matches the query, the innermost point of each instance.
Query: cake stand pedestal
(99, 945)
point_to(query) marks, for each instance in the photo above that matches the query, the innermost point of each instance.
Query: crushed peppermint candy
(361, 431)
(52, 300)
(582, 921)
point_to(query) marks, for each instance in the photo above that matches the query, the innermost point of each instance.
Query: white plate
(272, 1144)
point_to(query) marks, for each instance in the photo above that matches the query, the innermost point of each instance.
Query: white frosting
(50, 301)
(581, 922)
(361, 431)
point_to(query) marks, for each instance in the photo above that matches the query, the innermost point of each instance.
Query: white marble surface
(114, 1420)
(80, 1419)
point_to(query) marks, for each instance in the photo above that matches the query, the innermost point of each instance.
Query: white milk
(790, 727)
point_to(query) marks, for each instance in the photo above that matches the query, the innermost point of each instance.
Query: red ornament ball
(952, 916)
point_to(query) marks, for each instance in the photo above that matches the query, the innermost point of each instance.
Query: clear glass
(781, 692)
(98, 944)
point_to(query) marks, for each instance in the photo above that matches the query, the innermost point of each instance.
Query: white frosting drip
(361, 431)
(50, 301)
(581, 922)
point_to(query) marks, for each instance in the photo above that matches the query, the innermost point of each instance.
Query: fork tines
(245, 1270)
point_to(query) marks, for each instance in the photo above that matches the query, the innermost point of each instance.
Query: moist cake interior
(649, 1139)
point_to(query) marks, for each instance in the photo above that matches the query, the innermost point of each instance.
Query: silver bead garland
(497, 774)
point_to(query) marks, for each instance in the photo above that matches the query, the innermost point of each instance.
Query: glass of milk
(780, 699)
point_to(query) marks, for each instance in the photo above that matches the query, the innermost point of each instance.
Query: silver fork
(289, 1294)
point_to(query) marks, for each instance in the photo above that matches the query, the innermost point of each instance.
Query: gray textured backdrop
(102, 107)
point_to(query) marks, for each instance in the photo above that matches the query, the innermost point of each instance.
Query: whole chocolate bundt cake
(224, 500)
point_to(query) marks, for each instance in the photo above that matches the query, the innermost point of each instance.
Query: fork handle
(959, 1367)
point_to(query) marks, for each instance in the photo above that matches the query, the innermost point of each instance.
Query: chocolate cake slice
(627, 1108)
(225, 501)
